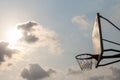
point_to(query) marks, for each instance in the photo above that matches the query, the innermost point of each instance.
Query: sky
(39, 39)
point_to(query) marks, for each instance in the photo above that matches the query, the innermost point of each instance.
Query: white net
(85, 62)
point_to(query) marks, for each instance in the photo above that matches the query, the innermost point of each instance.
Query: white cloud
(97, 78)
(72, 71)
(114, 76)
(37, 35)
(45, 73)
(106, 73)
(81, 20)
(36, 72)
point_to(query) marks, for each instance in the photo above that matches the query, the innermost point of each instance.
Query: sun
(13, 35)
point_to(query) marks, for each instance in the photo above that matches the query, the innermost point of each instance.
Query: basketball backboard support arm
(109, 63)
(111, 56)
(111, 42)
(106, 50)
(110, 22)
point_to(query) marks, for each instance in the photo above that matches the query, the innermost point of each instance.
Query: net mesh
(85, 64)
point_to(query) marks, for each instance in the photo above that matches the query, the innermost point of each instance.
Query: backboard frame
(101, 40)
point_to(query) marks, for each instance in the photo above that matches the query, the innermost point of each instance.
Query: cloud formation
(73, 71)
(81, 20)
(36, 72)
(5, 52)
(114, 76)
(33, 33)
(27, 26)
(115, 73)
(97, 78)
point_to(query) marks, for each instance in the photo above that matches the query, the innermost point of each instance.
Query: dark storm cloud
(5, 52)
(36, 72)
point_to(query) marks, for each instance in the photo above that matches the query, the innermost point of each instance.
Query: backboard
(97, 39)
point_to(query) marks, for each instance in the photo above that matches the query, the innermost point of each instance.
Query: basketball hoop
(89, 61)
(85, 61)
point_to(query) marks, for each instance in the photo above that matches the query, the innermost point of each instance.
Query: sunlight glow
(13, 36)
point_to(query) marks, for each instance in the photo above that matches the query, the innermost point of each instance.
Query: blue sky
(46, 35)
